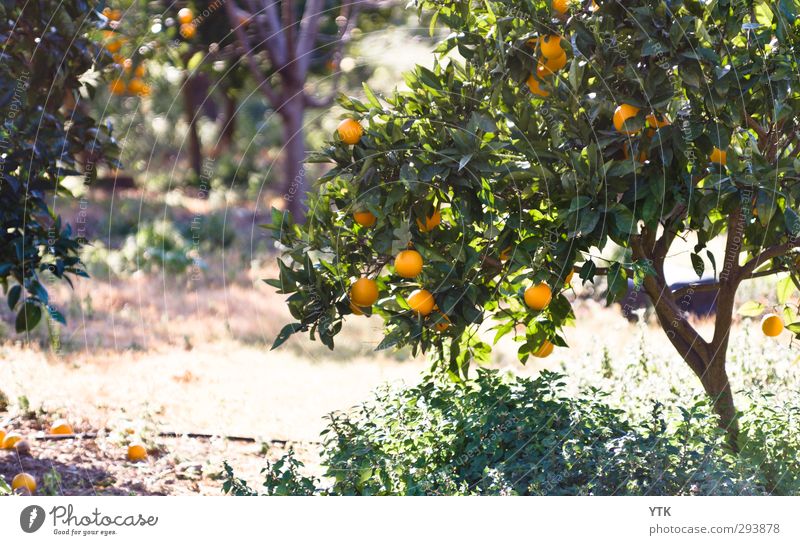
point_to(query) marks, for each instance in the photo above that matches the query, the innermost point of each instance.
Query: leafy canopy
(549, 176)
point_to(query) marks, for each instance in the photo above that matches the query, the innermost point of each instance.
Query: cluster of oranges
(187, 28)
(132, 83)
(409, 263)
(25, 483)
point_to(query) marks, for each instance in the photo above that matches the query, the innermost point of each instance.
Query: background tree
(281, 43)
(49, 67)
(562, 129)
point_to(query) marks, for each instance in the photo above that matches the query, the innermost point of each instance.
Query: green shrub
(508, 436)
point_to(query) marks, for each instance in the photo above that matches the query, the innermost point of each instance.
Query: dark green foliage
(45, 136)
(495, 435)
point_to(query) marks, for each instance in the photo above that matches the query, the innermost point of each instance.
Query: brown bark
(294, 183)
(190, 111)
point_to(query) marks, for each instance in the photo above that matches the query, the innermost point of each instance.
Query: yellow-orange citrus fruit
(551, 46)
(653, 121)
(535, 87)
(568, 279)
(442, 323)
(421, 302)
(138, 87)
(718, 156)
(11, 439)
(365, 218)
(117, 87)
(350, 131)
(622, 114)
(356, 309)
(560, 6)
(112, 14)
(548, 67)
(185, 16)
(408, 263)
(545, 350)
(364, 292)
(113, 46)
(505, 255)
(188, 30)
(538, 297)
(24, 480)
(641, 157)
(2, 436)
(772, 325)
(137, 452)
(61, 427)
(594, 6)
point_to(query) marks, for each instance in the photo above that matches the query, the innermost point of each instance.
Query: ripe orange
(772, 325)
(718, 156)
(538, 297)
(551, 46)
(641, 157)
(653, 122)
(117, 87)
(11, 439)
(560, 6)
(430, 222)
(623, 113)
(421, 302)
(594, 6)
(188, 30)
(548, 67)
(137, 452)
(408, 263)
(112, 14)
(185, 16)
(138, 87)
(24, 480)
(114, 46)
(350, 131)
(536, 89)
(545, 350)
(61, 427)
(364, 292)
(568, 279)
(442, 322)
(2, 436)
(365, 218)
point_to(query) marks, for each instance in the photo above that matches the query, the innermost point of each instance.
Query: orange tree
(549, 136)
(48, 70)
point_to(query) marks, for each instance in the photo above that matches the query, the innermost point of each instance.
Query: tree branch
(273, 39)
(749, 268)
(753, 124)
(344, 37)
(255, 70)
(309, 28)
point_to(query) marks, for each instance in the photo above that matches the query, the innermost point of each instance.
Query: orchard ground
(150, 353)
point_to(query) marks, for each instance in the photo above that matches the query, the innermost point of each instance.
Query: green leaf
(785, 288)
(698, 265)
(28, 317)
(751, 308)
(13, 296)
(287, 331)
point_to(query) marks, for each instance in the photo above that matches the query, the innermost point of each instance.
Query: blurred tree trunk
(190, 111)
(294, 183)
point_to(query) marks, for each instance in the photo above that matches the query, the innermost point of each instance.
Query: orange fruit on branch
(772, 325)
(545, 350)
(421, 302)
(11, 439)
(188, 31)
(185, 16)
(364, 292)
(560, 6)
(408, 263)
(350, 131)
(551, 46)
(622, 114)
(539, 296)
(653, 122)
(365, 218)
(548, 67)
(718, 156)
(535, 87)
(24, 480)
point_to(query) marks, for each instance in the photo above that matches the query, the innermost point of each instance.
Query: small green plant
(281, 478)
(51, 483)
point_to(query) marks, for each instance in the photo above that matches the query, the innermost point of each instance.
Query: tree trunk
(195, 153)
(718, 387)
(294, 181)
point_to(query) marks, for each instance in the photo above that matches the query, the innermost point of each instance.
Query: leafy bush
(497, 435)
